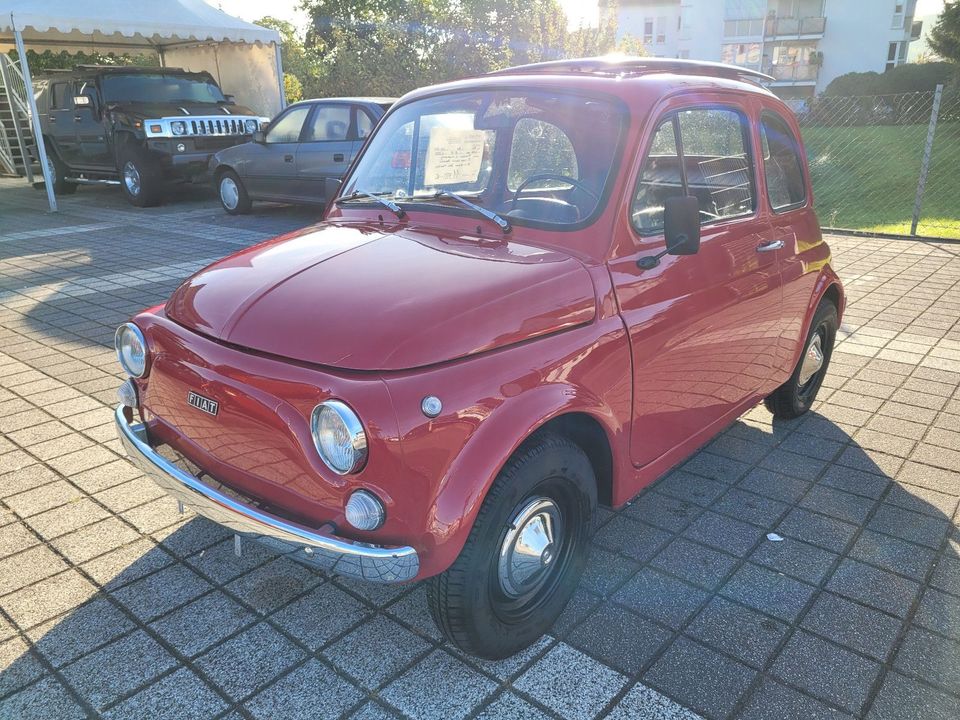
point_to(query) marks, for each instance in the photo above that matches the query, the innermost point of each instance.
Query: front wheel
(525, 554)
(796, 395)
(58, 174)
(140, 179)
(233, 195)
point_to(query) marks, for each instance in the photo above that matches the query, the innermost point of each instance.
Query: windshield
(160, 88)
(532, 156)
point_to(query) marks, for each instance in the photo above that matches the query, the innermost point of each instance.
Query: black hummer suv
(136, 127)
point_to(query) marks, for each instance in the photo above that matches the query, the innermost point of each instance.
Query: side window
(660, 179)
(330, 122)
(717, 165)
(286, 129)
(62, 96)
(364, 124)
(540, 148)
(781, 163)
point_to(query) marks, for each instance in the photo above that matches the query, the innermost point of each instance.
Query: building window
(743, 54)
(647, 31)
(896, 54)
(683, 55)
(661, 30)
(898, 15)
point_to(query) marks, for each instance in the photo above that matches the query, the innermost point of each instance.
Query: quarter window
(330, 122)
(364, 124)
(287, 128)
(711, 163)
(781, 162)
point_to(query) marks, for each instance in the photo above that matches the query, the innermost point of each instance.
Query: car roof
(373, 100)
(637, 81)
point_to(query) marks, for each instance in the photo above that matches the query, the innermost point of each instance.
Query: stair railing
(11, 78)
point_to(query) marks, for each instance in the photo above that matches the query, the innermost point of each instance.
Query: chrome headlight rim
(354, 429)
(117, 344)
(251, 126)
(178, 127)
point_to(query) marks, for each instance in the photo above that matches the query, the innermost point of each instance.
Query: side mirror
(681, 225)
(85, 101)
(259, 137)
(230, 99)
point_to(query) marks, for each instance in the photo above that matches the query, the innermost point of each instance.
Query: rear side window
(62, 96)
(700, 152)
(781, 163)
(330, 122)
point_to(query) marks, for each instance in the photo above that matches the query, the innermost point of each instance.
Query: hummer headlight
(178, 127)
(252, 126)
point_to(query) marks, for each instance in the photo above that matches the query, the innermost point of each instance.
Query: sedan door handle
(771, 246)
(338, 157)
(288, 158)
(77, 118)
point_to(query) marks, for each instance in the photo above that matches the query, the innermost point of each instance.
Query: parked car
(136, 127)
(309, 144)
(535, 293)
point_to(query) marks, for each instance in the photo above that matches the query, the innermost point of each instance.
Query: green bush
(913, 77)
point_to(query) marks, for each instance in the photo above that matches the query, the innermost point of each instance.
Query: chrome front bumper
(311, 546)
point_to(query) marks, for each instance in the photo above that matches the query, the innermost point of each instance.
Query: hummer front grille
(193, 126)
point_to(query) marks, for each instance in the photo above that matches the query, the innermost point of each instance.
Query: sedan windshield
(530, 156)
(161, 88)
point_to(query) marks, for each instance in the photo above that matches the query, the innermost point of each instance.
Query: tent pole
(35, 117)
(283, 90)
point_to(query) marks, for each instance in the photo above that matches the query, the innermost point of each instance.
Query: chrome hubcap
(52, 169)
(229, 193)
(131, 178)
(812, 360)
(530, 547)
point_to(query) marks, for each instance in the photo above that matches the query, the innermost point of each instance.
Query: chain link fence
(886, 163)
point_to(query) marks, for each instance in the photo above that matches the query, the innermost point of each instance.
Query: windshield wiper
(489, 214)
(389, 204)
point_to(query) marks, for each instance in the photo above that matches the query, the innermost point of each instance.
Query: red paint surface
(508, 333)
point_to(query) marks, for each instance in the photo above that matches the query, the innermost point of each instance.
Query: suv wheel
(233, 195)
(525, 553)
(139, 178)
(796, 395)
(58, 174)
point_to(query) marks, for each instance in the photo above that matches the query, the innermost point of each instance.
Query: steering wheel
(551, 176)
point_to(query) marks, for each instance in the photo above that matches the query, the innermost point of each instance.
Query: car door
(91, 140)
(703, 328)
(60, 121)
(326, 149)
(271, 166)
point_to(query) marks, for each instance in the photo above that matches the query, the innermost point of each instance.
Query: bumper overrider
(317, 547)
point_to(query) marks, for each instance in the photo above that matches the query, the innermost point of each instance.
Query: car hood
(362, 297)
(152, 111)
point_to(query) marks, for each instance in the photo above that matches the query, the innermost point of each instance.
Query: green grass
(865, 178)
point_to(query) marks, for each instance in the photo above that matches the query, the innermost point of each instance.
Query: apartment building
(804, 44)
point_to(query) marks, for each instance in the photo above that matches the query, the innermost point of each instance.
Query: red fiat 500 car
(536, 292)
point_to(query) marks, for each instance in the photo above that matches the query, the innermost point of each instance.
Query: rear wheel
(525, 553)
(233, 195)
(58, 174)
(140, 179)
(796, 395)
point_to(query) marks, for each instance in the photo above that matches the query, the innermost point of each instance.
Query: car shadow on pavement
(779, 572)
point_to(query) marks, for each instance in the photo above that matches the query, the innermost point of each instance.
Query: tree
(945, 36)
(912, 77)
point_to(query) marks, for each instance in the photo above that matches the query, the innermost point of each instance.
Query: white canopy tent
(244, 58)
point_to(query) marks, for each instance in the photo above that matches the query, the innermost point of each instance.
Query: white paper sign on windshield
(454, 156)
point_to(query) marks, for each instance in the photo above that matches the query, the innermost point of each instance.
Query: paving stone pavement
(111, 604)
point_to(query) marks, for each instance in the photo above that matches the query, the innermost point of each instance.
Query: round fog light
(127, 394)
(181, 147)
(364, 511)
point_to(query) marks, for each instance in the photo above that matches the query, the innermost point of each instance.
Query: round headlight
(178, 127)
(252, 126)
(339, 437)
(131, 350)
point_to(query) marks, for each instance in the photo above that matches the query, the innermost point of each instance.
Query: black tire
(241, 202)
(58, 171)
(794, 398)
(140, 178)
(470, 602)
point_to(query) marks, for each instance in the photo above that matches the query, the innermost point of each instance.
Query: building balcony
(793, 74)
(787, 27)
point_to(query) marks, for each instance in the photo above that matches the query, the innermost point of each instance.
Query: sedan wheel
(229, 194)
(233, 196)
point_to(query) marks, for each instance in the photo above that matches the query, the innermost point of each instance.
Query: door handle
(771, 246)
(77, 118)
(288, 158)
(338, 157)
(52, 118)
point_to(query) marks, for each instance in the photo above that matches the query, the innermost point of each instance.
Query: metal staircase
(16, 136)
